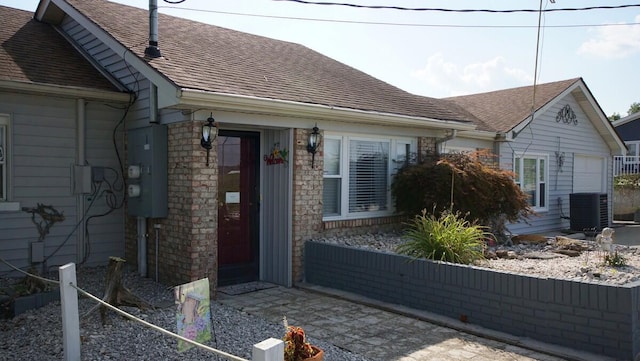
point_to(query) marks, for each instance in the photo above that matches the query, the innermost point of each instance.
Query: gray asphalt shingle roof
(215, 59)
(34, 52)
(502, 110)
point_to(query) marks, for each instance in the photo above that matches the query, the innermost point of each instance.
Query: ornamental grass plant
(449, 237)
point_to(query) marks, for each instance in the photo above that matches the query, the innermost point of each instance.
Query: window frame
(393, 165)
(6, 204)
(4, 157)
(519, 177)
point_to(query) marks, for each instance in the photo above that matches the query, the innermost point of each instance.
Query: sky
(442, 54)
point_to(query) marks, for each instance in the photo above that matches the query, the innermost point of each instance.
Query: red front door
(238, 207)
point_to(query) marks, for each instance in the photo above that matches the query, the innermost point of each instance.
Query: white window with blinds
(531, 175)
(358, 173)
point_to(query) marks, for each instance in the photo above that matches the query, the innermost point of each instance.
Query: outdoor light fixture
(313, 143)
(209, 133)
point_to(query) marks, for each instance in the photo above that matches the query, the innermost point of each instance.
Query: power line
(387, 7)
(392, 24)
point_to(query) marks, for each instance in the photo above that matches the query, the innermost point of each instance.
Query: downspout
(153, 51)
(448, 137)
(81, 160)
(142, 246)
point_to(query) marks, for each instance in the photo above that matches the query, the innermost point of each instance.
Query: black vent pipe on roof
(152, 51)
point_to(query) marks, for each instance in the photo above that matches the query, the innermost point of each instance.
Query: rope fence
(157, 328)
(268, 350)
(47, 280)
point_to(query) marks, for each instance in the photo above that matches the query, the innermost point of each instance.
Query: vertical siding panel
(276, 256)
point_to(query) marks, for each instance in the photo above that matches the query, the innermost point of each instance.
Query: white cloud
(613, 41)
(447, 78)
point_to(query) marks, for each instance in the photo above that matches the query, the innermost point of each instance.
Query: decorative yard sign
(277, 155)
(193, 313)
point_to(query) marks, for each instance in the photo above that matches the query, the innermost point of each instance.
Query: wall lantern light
(209, 133)
(313, 143)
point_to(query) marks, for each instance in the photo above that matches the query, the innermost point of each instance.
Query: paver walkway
(373, 332)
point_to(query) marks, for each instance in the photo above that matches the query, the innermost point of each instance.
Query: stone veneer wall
(187, 237)
(601, 319)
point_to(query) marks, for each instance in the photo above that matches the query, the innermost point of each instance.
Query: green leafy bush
(449, 238)
(627, 181)
(468, 183)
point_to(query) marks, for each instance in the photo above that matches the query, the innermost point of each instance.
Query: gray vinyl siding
(105, 233)
(114, 64)
(546, 136)
(276, 212)
(43, 151)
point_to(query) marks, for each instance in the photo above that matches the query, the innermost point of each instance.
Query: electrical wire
(394, 24)
(388, 7)
(84, 214)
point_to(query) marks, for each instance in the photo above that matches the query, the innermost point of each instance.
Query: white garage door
(588, 174)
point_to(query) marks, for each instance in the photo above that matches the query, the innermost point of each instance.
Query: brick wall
(601, 319)
(187, 237)
(307, 198)
(426, 148)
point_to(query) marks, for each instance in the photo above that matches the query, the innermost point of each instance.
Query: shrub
(449, 238)
(468, 183)
(626, 181)
(614, 260)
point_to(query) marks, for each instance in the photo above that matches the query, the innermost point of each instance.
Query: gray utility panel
(147, 171)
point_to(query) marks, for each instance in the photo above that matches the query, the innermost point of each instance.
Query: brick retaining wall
(602, 319)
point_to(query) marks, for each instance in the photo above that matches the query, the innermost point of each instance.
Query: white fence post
(70, 317)
(270, 349)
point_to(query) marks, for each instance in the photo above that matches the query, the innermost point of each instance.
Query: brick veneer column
(188, 237)
(426, 148)
(307, 198)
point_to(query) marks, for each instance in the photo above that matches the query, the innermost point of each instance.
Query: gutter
(448, 137)
(233, 102)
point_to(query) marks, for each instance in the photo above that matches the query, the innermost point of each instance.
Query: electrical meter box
(146, 171)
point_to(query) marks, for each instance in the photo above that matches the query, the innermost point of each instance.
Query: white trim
(7, 205)
(625, 120)
(251, 104)
(63, 91)
(345, 140)
(537, 157)
(157, 78)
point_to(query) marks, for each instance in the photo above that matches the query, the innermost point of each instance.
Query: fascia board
(135, 61)
(478, 134)
(625, 120)
(63, 91)
(610, 135)
(195, 98)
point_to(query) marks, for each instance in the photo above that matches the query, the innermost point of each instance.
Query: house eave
(234, 102)
(484, 135)
(62, 91)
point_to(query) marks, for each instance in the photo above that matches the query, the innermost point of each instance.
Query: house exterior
(242, 209)
(561, 152)
(57, 117)
(130, 112)
(629, 130)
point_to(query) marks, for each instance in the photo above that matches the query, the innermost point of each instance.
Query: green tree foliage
(480, 190)
(614, 116)
(634, 108)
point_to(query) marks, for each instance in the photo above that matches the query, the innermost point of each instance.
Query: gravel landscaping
(530, 258)
(37, 335)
